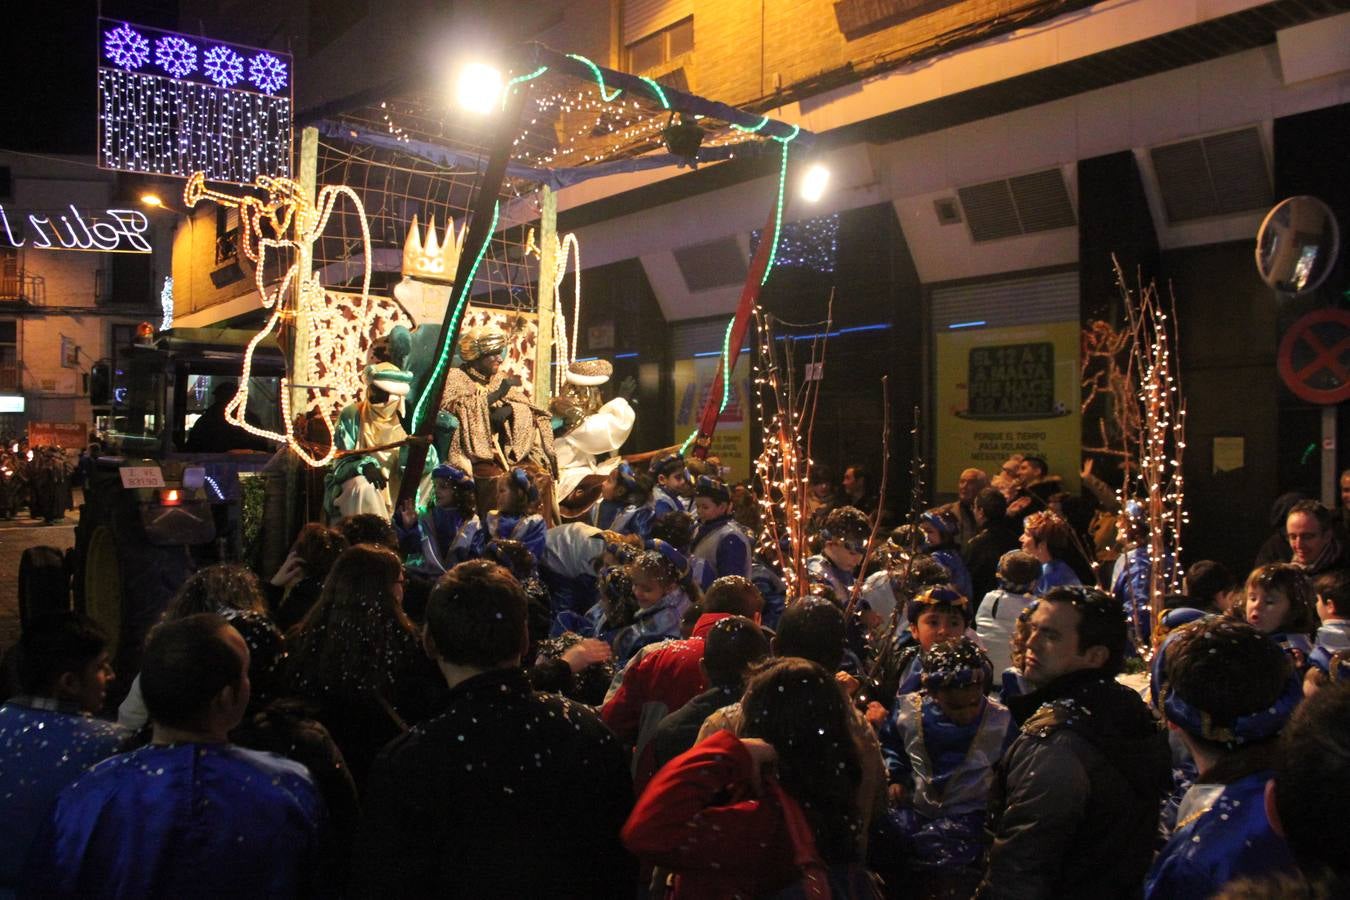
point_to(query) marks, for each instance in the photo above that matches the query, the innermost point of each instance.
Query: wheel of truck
(103, 585)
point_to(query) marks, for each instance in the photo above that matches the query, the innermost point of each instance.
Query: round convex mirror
(1297, 245)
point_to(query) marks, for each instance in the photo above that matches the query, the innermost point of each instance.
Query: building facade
(990, 160)
(82, 264)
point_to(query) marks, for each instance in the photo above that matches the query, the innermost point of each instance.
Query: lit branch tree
(1158, 485)
(786, 411)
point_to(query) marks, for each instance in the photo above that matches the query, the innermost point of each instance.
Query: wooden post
(547, 382)
(476, 239)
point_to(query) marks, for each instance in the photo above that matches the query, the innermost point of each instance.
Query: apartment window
(660, 47)
(9, 355)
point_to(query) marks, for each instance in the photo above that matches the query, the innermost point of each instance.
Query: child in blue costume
(941, 746)
(517, 515)
(1279, 601)
(672, 482)
(449, 532)
(940, 529)
(832, 574)
(616, 607)
(719, 539)
(935, 615)
(1228, 690)
(677, 530)
(627, 496)
(663, 589)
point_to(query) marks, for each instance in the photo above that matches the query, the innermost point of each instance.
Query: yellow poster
(1007, 390)
(731, 440)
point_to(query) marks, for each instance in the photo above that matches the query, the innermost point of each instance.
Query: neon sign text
(113, 231)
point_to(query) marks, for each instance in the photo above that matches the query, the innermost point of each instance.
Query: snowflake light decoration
(126, 48)
(175, 56)
(267, 72)
(166, 304)
(223, 66)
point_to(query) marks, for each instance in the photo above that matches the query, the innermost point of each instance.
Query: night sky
(48, 57)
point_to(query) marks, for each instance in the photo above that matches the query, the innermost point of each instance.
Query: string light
(185, 114)
(267, 72)
(1159, 483)
(223, 66)
(163, 127)
(752, 128)
(166, 304)
(335, 324)
(126, 48)
(657, 89)
(809, 243)
(605, 94)
(175, 55)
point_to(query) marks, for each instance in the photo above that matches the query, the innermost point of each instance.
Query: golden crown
(435, 258)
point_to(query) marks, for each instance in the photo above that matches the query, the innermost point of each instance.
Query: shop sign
(69, 435)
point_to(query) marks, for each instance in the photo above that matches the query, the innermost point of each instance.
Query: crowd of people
(475, 699)
(38, 479)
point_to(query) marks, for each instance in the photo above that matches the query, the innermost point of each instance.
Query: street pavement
(16, 536)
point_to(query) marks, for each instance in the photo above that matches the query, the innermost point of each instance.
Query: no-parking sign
(1314, 357)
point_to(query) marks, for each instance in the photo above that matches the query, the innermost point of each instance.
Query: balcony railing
(22, 287)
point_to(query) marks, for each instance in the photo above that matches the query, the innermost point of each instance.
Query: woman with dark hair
(357, 659)
(752, 815)
(226, 589)
(297, 584)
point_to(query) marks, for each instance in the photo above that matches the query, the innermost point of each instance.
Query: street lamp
(152, 200)
(814, 181)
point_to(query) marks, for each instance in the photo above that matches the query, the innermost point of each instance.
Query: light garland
(126, 48)
(335, 324)
(605, 94)
(809, 243)
(166, 304)
(1161, 444)
(191, 106)
(164, 127)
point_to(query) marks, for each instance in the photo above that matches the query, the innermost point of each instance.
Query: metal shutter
(1014, 301)
(642, 17)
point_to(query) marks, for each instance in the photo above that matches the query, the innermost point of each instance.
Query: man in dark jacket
(732, 646)
(997, 535)
(508, 793)
(1075, 804)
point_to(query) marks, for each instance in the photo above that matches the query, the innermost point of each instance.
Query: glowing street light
(152, 200)
(813, 183)
(478, 87)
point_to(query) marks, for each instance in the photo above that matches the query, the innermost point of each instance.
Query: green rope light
(726, 367)
(753, 128)
(521, 79)
(454, 319)
(778, 213)
(599, 77)
(656, 89)
(687, 441)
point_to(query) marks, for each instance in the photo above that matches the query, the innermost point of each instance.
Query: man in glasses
(1075, 804)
